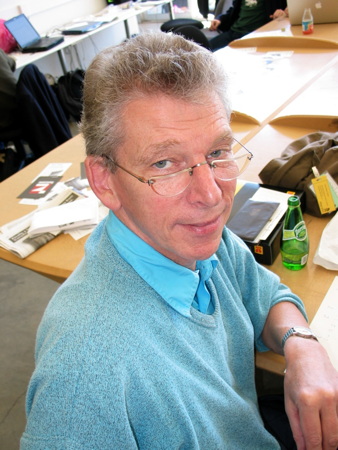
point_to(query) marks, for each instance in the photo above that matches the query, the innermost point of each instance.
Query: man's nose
(204, 188)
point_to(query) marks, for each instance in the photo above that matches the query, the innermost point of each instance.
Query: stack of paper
(82, 214)
(61, 207)
(14, 236)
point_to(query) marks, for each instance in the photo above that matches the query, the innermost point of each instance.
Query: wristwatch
(302, 332)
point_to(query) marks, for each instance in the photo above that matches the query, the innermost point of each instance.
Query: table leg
(171, 11)
(126, 26)
(62, 61)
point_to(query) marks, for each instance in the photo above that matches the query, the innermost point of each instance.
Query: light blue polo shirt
(176, 284)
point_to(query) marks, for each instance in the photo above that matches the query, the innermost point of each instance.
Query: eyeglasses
(175, 183)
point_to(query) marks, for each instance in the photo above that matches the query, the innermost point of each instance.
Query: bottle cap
(293, 201)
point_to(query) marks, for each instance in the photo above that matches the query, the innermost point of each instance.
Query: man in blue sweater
(150, 342)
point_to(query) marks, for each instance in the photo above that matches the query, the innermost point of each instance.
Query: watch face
(303, 331)
(298, 331)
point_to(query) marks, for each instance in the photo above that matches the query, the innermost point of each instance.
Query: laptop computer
(323, 11)
(81, 27)
(26, 36)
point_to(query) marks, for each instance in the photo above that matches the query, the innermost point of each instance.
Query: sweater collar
(179, 286)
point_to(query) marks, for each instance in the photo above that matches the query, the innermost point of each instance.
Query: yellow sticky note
(323, 194)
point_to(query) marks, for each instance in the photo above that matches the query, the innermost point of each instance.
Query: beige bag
(293, 170)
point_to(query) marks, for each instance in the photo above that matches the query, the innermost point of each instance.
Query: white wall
(48, 14)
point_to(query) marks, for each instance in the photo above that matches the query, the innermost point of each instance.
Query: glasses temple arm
(139, 178)
(242, 145)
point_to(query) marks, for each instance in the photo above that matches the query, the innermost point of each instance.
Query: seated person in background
(8, 100)
(242, 18)
(150, 343)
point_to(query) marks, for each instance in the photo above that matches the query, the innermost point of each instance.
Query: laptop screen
(22, 30)
(323, 11)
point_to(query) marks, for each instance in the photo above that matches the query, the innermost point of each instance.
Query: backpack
(293, 170)
(69, 92)
(7, 42)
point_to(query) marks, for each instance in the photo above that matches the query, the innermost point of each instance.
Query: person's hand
(279, 14)
(214, 24)
(311, 395)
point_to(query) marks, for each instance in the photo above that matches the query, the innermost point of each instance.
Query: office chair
(172, 25)
(41, 117)
(12, 151)
(13, 156)
(194, 34)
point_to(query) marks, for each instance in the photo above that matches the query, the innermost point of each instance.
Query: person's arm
(311, 382)
(280, 14)
(214, 24)
(223, 21)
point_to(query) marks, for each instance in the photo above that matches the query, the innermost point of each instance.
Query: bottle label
(299, 232)
(307, 27)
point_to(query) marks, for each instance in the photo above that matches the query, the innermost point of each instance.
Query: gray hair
(146, 65)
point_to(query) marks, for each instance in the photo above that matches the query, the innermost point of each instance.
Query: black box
(265, 251)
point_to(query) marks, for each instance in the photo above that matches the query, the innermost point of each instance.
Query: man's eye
(164, 164)
(220, 154)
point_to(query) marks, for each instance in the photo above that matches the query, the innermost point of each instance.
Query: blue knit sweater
(118, 368)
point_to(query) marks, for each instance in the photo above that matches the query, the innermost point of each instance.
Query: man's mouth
(205, 227)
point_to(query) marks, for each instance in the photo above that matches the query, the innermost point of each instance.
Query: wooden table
(59, 257)
(280, 34)
(316, 106)
(311, 283)
(263, 82)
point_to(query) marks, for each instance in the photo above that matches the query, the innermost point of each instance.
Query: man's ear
(100, 180)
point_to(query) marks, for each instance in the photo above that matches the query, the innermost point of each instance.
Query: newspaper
(14, 235)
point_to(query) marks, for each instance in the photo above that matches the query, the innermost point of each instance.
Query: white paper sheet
(327, 251)
(325, 322)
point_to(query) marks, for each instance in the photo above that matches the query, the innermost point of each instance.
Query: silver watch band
(302, 332)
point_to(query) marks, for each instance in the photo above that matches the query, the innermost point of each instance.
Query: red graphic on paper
(40, 188)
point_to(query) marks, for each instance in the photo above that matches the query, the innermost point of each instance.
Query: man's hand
(311, 395)
(214, 24)
(280, 14)
(311, 382)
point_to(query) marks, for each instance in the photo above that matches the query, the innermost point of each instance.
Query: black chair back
(172, 25)
(194, 34)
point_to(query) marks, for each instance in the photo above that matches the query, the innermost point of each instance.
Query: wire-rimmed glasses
(175, 183)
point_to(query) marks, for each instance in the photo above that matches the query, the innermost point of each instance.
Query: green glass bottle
(294, 241)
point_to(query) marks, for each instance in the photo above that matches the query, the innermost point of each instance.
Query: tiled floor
(23, 298)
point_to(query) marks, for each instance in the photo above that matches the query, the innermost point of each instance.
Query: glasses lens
(230, 169)
(172, 185)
